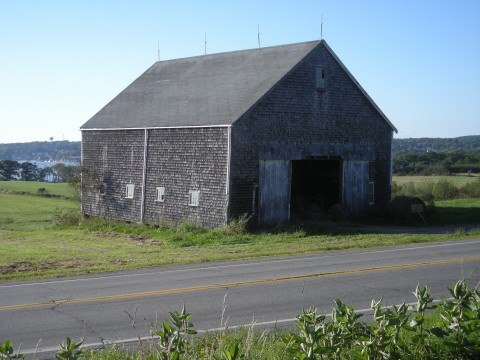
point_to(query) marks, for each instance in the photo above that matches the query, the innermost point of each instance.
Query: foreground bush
(397, 332)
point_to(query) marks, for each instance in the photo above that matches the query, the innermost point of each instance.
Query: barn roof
(203, 90)
(207, 90)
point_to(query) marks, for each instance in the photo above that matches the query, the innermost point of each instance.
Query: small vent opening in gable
(320, 78)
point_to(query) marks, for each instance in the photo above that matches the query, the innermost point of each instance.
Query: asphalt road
(39, 315)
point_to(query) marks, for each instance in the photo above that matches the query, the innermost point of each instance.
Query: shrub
(237, 226)
(423, 191)
(471, 190)
(444, 190)
(67, 217)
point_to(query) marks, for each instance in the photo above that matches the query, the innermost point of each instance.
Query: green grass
(457, 211)
(22, 213)
(457, 180)
(31, 187)
(33, 248)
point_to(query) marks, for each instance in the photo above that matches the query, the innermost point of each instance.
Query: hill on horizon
(65, 151)
(421, 145)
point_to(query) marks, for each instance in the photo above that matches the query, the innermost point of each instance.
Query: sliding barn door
(274, 191)
(355, 187)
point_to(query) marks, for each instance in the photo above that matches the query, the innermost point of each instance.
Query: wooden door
(355, 187)
(274, 191)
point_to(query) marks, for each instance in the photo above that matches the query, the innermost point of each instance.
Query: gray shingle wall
(178, 159)
(117, 157)
(295, 121)
(187, 159)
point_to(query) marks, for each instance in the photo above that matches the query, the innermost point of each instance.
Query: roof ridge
(239, 51)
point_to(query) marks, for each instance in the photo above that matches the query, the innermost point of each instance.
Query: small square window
(160, 194)
(371, 193)
(193, 197)
(129, 191)
(320, 78)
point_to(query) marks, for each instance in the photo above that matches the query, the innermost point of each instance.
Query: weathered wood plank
(355, 187)
(274, 191)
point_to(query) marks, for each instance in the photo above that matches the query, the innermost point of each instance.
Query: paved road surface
(265, 291)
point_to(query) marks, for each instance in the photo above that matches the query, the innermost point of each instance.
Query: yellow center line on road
(233, 284)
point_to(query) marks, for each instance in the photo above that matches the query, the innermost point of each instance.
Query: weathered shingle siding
(295, 121)
(117, 157)
(187, 159)
(177, 159)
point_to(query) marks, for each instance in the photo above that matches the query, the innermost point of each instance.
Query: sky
(62, 61)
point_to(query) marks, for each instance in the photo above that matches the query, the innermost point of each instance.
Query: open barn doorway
(315, 188)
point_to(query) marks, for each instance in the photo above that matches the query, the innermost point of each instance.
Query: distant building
(276, 132)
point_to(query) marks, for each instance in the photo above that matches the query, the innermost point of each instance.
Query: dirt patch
(143, 240)
(137, 239)
(23, 266)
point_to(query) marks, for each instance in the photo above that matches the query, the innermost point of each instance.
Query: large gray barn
(278, 132)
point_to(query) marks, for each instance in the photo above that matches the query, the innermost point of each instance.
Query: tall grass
(442, 189)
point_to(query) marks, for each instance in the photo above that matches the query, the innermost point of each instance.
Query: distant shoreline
(45, 164)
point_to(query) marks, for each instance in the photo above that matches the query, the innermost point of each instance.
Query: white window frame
(129, 191)
(193, 197)
(160, 194)
(371, 193)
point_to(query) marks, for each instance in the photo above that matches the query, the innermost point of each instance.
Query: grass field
(457, 180)
(32, 247)
(27, 213)
(31, 187)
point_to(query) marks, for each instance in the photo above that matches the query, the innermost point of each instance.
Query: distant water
(45, 164)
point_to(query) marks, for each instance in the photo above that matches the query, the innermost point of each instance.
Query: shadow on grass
(442, 219)
(455, 216)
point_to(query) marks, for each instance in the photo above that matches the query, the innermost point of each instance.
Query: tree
(46, 174)
(9, 170)
(62, 172)
(29, 172)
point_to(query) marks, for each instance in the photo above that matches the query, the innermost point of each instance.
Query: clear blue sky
(62, 61)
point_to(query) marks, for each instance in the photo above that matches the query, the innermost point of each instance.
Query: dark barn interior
(316, 187)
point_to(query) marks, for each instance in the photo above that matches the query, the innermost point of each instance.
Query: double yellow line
(233, 284)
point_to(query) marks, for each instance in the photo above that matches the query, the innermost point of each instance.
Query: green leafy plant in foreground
(309, 343)
(417, 324)
(461, 318)
(69, 350)
(171, 338)
(6, 351)
(232, 352)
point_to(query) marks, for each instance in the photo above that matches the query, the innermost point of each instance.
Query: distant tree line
(437, 163)
(70, 150)
(67, 151)
(26, 171)
(422, 145)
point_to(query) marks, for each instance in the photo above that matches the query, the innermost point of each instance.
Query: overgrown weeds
(67, 217)
(238, 226)
(441, 190)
